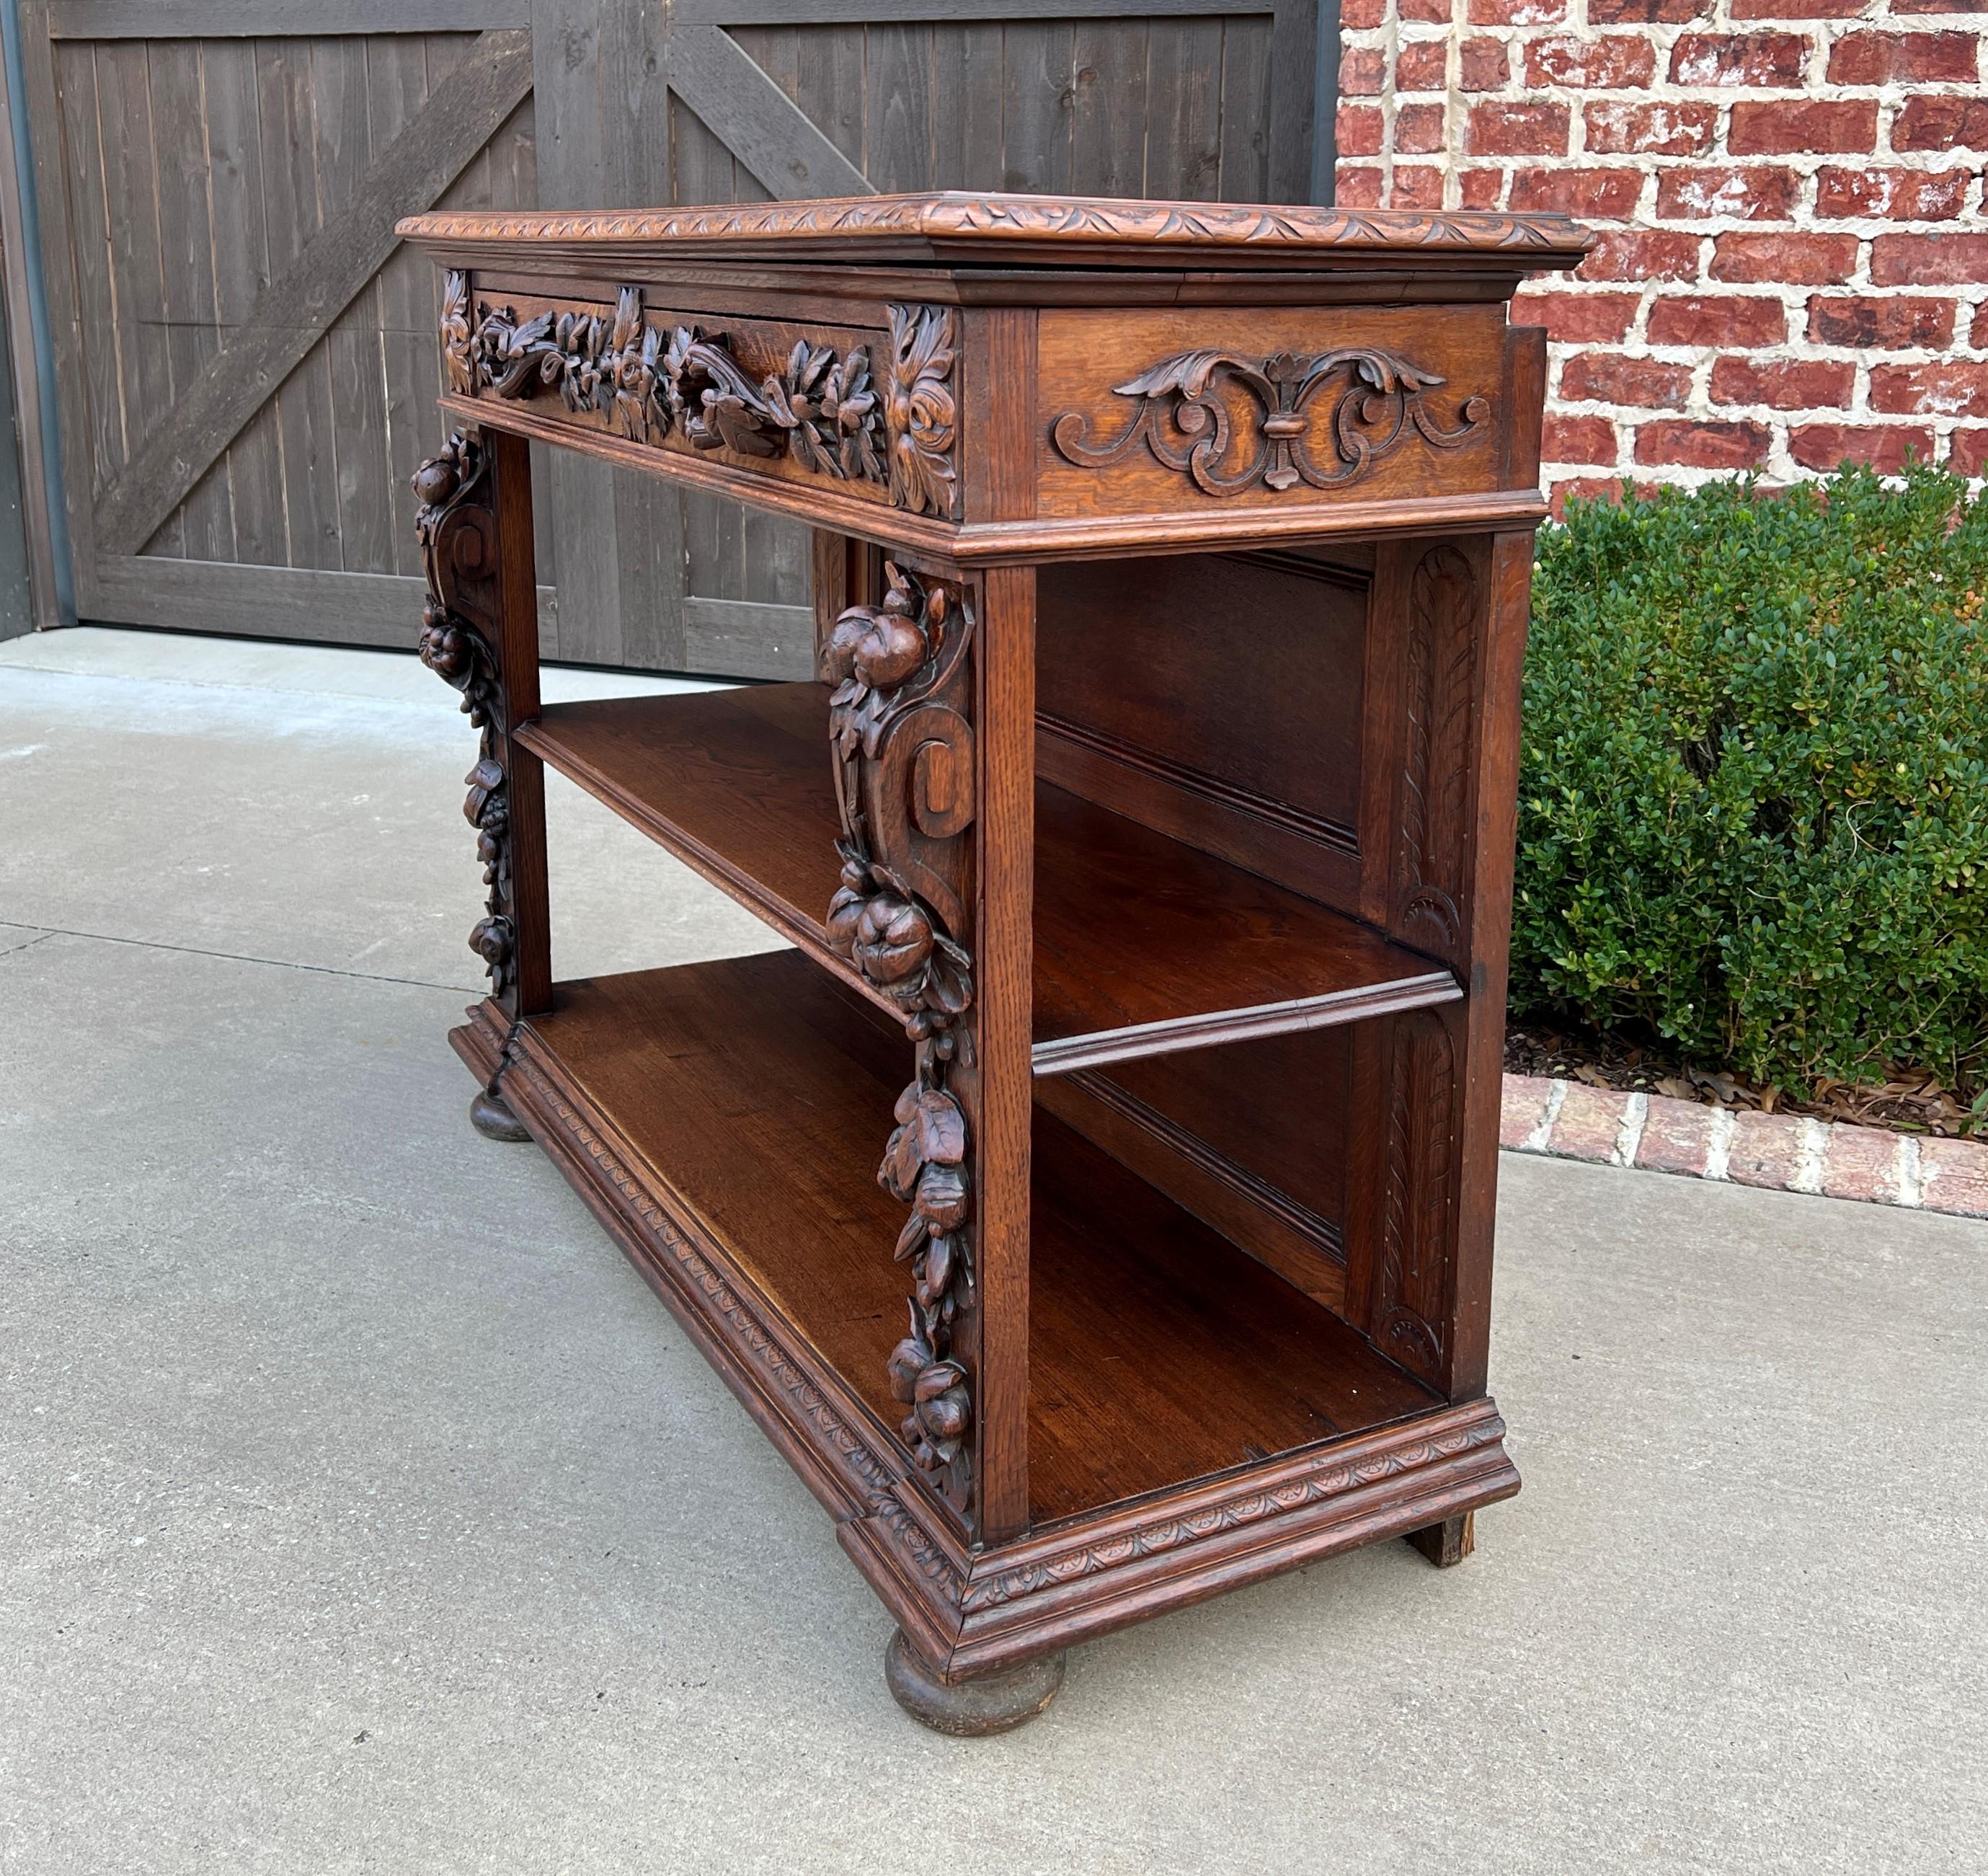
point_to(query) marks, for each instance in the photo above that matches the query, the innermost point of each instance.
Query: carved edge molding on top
(1326, 1479)
(1029, 218)
(869, 1478)
(1186, 422)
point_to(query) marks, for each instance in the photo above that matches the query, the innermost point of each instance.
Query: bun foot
(1447, 1543)
(490, 1115)
(970, 1709)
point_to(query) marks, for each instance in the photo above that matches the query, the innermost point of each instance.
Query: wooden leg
(490, 1114)
(1447, 1543)
(970, 1709)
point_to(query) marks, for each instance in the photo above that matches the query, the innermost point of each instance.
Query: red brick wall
(1793, 261)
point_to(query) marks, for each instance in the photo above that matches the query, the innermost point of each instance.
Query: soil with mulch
(1911, 1103)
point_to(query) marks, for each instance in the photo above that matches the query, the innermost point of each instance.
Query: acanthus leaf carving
(921, 417)
(456, 531)
(1185, 420)
(457, 353)
(1432, 836)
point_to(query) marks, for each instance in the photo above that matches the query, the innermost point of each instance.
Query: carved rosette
(903, 752)
(821, 408)
(1186, 417)
(456, 531)
(920, 416)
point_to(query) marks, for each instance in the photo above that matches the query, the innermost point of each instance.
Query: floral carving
(884, 661)
(457, 357)
(903, 759)
(924, 1167)
(1185, 420)
(452, 526)
(821, 408)
(921, 417)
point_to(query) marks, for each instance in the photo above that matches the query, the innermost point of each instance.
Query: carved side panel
(457, 529)
(1412, 1305)
(903, 749)
(1433, 839)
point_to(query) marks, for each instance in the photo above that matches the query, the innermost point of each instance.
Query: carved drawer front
(866, 411)
(1266, 408)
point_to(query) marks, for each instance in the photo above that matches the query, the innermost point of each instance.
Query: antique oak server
(1145, 848)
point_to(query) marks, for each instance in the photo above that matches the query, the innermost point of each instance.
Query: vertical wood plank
(1035, 106)
(1244, 174)
(130, 189)
(89, 263)
(966, 68)
(1294, 77)
(1108, 113)
(898, 107)
(341, 85)
(397, 86)
(1184, 89)
(186, 249)
(255, 457)
(603, 137)
(287, 112)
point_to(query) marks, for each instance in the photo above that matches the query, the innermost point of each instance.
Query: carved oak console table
(1144, 848)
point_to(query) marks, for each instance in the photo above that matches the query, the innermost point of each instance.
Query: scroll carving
(821, 408)
(457, 531)
(1433, 836)
(921, 415)
(458, 358)
(1413, 1304)
(903, 751)
(1186, 418)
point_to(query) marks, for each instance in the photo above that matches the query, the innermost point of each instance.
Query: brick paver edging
(1784, 1152)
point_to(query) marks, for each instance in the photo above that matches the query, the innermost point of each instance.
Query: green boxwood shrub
(1753, 814)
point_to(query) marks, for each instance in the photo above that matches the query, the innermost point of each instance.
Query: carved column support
(475, 567)
(902, 743)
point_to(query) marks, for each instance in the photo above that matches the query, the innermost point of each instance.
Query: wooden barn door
(247, 363)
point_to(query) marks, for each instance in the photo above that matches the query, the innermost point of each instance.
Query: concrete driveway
(361, 1509)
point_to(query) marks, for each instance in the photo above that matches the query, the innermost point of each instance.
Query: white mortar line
(1719, 1151)
(1536, 1141)
(1922, 1174)
(1907, 1175)
(1629, 1135)
(1807, 1176)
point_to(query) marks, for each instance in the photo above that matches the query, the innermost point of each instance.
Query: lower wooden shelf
(724, 1120)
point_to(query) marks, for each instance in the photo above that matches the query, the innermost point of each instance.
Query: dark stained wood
(1157, 1351)
(1449, 1542)
(321, 279)
(1141, 945)
(1096, 1207)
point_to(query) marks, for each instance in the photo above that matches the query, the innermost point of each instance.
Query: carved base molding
(969, 1614)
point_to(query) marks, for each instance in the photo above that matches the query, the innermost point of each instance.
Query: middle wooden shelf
(1143, 945)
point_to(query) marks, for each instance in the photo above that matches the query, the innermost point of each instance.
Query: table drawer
(867, 411)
